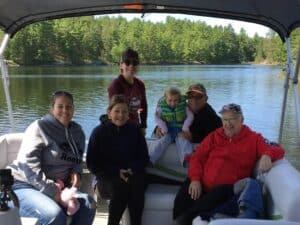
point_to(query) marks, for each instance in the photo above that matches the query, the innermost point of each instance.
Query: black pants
(127, 194)
(185, 206)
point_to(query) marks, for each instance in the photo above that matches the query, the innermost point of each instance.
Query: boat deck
(102, 213)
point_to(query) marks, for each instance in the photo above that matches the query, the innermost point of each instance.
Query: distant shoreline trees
(100, 40)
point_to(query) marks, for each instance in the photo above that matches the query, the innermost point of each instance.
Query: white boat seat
(159, 198)
(9, 148)
(168, 165)
(283, 185)
(250, 222)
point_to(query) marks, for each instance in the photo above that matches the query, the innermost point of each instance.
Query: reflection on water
(259, 90)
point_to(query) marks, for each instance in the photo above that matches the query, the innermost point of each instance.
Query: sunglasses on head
(232, 107)
(60, 93)
(129, 62)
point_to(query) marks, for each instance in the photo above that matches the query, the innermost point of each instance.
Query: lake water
(258, 89)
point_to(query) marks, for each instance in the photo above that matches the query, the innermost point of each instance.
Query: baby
(172, 117)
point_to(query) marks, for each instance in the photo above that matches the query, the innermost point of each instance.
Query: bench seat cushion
(160, 196)
(249, 222)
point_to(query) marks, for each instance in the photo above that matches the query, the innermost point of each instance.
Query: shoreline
(13, 64)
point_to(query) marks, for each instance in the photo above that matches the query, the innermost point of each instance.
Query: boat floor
(102, 213)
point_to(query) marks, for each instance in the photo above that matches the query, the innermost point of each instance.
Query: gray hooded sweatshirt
(49, 151)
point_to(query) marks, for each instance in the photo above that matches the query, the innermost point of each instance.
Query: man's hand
(124, 174)
(195, 189)
(265, 163)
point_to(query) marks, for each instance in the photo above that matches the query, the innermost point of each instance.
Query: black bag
(103, 188)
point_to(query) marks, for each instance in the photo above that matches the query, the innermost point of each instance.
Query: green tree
(33, 44)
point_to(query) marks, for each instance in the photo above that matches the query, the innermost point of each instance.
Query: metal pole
(295, 79)
(295, 91)
(290, 70)
(5, 80)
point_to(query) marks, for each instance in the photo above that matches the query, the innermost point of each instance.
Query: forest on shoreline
(100, 41)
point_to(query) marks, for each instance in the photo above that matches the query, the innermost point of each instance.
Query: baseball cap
(197, 89)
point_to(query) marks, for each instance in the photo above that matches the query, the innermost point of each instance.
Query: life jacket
(173, 117)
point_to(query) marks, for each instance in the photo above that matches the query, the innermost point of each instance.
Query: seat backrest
(168, 165)
(9, 148)
(283, 183)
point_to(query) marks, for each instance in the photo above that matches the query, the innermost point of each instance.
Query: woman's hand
(265, 163)
(75, 180)
(195, 189)
(124, 174)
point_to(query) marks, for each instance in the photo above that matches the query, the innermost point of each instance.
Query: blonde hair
(172, 91)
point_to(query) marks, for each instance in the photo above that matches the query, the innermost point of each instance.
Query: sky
(250, 28)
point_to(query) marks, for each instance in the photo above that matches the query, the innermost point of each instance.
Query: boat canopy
(282, 16)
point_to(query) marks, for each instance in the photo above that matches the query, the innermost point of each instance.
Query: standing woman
(117, 154)
(131, 87)
(51, 152)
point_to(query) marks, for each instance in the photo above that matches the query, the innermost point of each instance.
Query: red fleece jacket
(223, 160)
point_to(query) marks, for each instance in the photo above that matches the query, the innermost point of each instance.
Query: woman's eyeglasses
(129, 62)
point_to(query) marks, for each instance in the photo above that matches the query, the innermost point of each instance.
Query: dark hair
(60, 93)
(129, 54)
(117, 99)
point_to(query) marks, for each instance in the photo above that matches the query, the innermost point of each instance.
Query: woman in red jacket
(224, 157)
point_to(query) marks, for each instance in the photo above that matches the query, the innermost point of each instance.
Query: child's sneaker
(199, 221)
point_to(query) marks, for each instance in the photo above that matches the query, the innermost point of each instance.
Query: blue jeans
(35, 204)
(157, 147)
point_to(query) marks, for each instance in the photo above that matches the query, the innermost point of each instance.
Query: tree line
(100, 40)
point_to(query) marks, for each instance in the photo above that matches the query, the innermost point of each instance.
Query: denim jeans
(156, 149)
(35, 204)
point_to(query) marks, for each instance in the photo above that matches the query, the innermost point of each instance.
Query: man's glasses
(129, 62)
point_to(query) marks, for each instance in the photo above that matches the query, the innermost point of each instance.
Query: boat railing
(291, 71)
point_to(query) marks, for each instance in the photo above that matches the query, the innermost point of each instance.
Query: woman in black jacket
(117, 154)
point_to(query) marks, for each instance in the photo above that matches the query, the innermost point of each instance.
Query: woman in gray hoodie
(51, 158)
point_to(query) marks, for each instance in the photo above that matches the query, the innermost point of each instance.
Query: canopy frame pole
(295, 91)
(286, 85)
(5, 80)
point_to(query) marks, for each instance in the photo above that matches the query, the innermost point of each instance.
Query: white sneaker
(199, 221)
